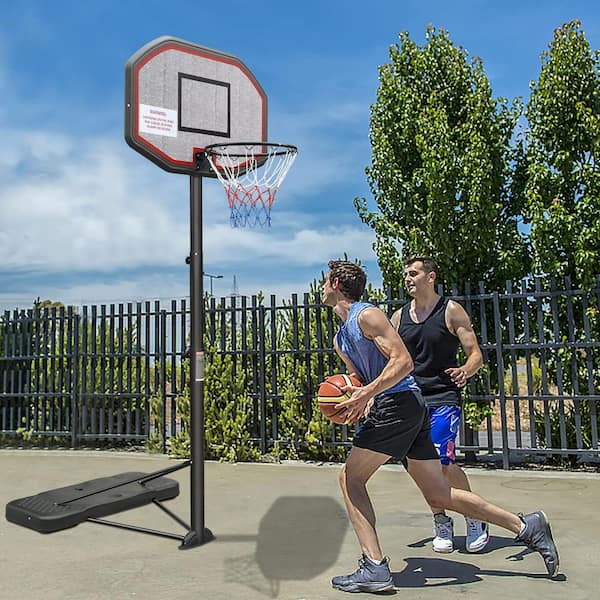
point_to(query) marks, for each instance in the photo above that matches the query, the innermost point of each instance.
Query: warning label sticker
(157, 120)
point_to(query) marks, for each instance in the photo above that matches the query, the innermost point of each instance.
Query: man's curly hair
(351, 277)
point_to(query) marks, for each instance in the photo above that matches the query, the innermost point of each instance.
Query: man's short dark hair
(429, 264)
(351, 277)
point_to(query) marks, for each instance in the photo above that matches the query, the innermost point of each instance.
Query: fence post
(262, 367)
(74, 378)
(162, 354)
(469, 433)
(501, 393)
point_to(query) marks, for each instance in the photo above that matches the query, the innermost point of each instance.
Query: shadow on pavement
(298, 539)
(436, 572)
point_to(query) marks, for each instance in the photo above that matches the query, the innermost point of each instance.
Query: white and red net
(251, 175)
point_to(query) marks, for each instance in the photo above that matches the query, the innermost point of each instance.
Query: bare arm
(376, 327)
(459, 324)
(350, 368)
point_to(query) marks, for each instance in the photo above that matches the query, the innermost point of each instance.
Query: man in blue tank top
(432, 327)
(396, 424)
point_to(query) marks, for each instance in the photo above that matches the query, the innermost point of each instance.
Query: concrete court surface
(281, 532)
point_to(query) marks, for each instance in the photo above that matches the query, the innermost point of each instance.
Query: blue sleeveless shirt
(364, 354)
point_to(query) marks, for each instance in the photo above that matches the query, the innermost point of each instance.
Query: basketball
(331, 393)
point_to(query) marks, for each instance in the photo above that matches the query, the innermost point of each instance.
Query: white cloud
(141, 287)
(296, 248)
(93, 210)
(83, 206)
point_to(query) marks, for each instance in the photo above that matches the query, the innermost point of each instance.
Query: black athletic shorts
(398, 425)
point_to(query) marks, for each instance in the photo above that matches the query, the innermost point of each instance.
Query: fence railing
(92, 372)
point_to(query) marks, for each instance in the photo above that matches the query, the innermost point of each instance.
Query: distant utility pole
(211, 280)
(235, 293)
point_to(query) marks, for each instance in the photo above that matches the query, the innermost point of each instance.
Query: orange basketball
(331, 393)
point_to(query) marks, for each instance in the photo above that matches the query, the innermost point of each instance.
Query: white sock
(376, 562)
(523, 528)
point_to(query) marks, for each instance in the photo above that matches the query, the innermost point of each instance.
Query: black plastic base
(192, 539)
(68, 506)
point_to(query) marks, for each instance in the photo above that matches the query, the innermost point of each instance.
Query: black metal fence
(92, 373)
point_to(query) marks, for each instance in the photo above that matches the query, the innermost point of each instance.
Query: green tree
(562, 192)
(562, 205)
(441, 166)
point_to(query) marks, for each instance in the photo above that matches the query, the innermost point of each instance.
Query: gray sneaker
(538, 537)
(478, 534)
(369, 577)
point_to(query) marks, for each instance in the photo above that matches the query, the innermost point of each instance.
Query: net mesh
(251, 175)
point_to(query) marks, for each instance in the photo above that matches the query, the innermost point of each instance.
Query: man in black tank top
(432, 328)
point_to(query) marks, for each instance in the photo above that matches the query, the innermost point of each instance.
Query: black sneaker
(369, 577)
(538, 537)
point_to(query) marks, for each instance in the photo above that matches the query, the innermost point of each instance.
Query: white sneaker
(444, 533)
(478, 534)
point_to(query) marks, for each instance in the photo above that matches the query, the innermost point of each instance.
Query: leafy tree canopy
(441, 166)
(562, 191)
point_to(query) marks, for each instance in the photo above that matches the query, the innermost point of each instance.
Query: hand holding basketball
(331, 392)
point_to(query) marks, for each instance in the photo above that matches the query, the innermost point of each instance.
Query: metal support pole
(198, 534)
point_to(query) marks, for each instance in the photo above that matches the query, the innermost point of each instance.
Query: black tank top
(433, 349)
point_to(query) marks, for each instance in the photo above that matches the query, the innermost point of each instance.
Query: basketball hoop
(251, 174)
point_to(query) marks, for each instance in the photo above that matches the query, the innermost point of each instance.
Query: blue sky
(85, 219)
